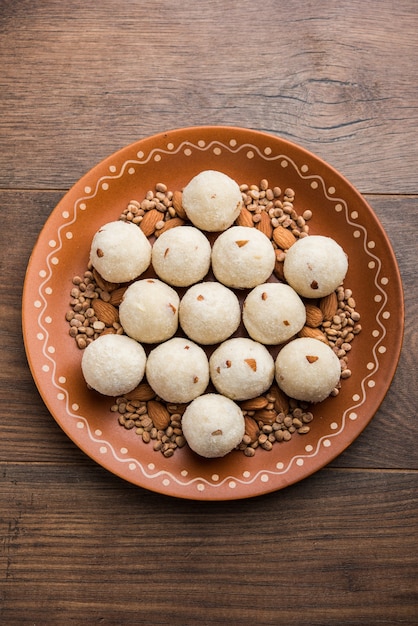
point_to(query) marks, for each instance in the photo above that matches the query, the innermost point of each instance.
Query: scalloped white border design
(106, 447)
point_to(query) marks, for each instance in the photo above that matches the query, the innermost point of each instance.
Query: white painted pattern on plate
(52, 261)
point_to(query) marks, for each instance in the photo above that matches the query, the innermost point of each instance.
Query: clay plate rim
(173, 157)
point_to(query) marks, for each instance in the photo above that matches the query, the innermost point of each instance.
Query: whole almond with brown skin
(254, 404)
(314, 317)
(278, 269)
(102, 283)
(105, 312)
(329, 306)
(314, 333)
(177, 408)
(173, 223)
(264, 225)
(116, 296)
(159, 415)
(245, 218)
(178, 206)
(266, 416)
(281, 401)
(283, 237)
(251, 428)
(142, 393)
(109, 330)
(150, 219)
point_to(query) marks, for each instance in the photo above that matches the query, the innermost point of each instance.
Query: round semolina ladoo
(213, 425)
(181, 256)
(178, 370)
(120, 252)
(149, 311)
(241, 368)
(212, 201)
(242, 257)
(307, 369)
(315, 266)
(273, 313)
(209, 313)
(113, 364)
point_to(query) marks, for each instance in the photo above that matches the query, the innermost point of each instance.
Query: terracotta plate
(61, 252)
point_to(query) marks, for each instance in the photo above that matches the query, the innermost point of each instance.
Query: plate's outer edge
(263, 483)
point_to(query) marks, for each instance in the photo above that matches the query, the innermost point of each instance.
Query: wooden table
(81, 80)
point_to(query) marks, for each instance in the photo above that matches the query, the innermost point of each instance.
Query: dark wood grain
(337, 78)
(295, 557)
(78, 81)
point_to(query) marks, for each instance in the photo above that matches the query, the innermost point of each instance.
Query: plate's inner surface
(174, 158)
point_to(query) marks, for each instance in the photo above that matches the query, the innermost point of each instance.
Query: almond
(251, 363)
(283, 237)
(102, 283)
(176, 408)
(251, 428)
(264, 225)
(109, 330)
(254, 404)
(245, 218)
(159, 414)
(150, 219)
(314, 333)
(329, 306)
(116, 296)
(175, 221)
(279, 263)
(314, 317)
(281, 401)
(267, 416)
(142, 393)
(178, 206)
(278, 269)
(105, 312)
